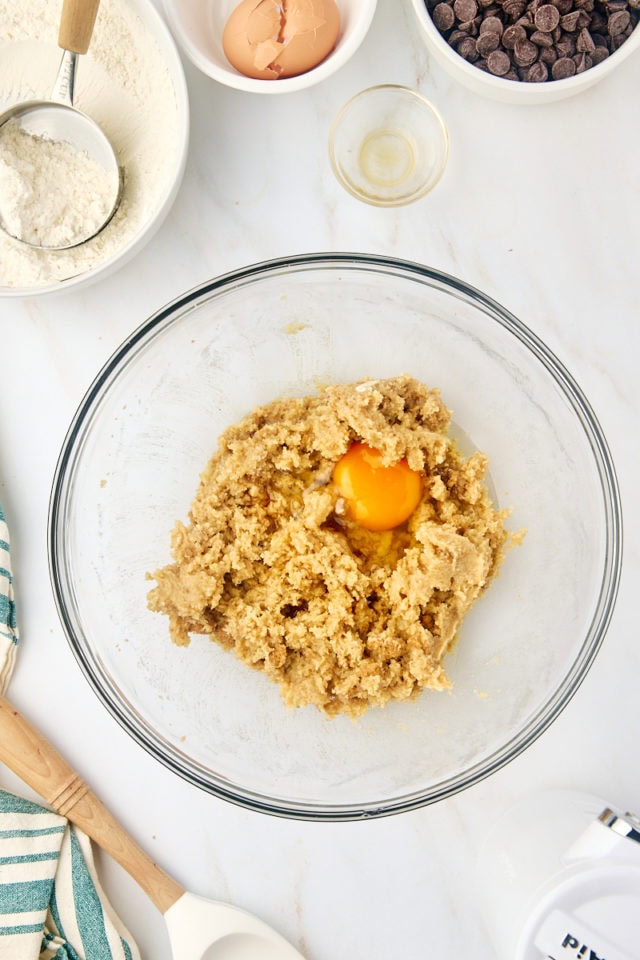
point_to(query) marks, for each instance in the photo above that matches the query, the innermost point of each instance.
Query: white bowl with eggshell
(515, 91)
(199, 27)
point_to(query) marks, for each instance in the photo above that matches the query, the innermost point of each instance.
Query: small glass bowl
(388, 145)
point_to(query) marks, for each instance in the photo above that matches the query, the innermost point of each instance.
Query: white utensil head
(201, 929)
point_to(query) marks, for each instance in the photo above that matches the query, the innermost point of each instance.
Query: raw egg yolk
(377, 497)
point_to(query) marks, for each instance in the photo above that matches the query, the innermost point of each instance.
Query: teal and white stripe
(30, 842)
(52, 906)
(8, 627)
(51, 902)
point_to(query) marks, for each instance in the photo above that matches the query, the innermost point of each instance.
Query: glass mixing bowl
(130, 466)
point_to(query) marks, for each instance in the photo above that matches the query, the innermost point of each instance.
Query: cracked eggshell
(272, 39)
(199, 25)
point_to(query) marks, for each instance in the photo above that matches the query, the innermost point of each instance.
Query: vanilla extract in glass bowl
(388, 145)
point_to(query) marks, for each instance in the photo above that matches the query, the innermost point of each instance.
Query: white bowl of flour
(132, 83)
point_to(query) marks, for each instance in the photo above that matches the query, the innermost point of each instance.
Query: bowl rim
(512, 90)
(231, 77)
(554, 703)
(124, 255)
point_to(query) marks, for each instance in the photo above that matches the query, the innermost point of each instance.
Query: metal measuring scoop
(57, 119)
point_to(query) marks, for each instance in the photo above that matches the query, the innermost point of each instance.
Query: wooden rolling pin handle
(25, 751)
(76, 24)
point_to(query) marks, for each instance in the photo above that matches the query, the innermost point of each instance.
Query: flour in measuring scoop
(52, 194)
(124, 85)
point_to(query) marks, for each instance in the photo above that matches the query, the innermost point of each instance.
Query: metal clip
(626, 826)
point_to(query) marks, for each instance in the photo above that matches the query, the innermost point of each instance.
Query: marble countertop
(540, 208)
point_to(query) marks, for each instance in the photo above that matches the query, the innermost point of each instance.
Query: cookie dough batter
(270, 566)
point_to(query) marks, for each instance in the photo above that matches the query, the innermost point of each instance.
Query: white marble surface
(539, 207)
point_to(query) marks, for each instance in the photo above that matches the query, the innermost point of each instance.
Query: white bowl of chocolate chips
(529, 51)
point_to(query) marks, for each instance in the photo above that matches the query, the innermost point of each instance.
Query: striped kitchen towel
(8, 628)
(52, 906)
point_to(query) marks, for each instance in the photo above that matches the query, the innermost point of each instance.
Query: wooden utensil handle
(25, 751)
(76, 24)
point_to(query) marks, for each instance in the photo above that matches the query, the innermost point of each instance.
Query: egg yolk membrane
(377, 497)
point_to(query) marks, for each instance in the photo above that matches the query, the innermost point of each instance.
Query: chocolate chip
(598, 23)
(465, 9)
(513, 9)
(492, 23)
(566, 46)
(487, 42)
(598, 55)
(470, 27)
(443, 17)
(541, 39)
(546, 18)
(537, 73)
(455, 36)
(548, 56)
(467, 49)
(618, 22)
(511, 36)
(525, 53)
(569, 21)
(582, 61)
(616, 42)
(563, 68)
(584, 43)
(526, 22)
(499, 63)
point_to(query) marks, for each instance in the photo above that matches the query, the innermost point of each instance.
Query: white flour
(51, 193)
(125, 86)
